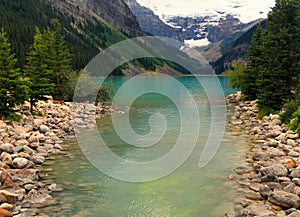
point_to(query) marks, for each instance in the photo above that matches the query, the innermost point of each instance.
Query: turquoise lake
(189, 191)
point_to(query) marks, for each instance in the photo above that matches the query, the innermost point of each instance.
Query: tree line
(271, 71)
(47, 71)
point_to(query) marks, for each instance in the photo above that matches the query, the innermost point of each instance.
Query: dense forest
(271, 70)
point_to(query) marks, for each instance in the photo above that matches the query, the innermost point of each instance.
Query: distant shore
(271, 181)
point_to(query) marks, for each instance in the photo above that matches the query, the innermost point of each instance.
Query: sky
(245, 10)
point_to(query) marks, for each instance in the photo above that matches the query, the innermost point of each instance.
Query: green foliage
(104, 94)
(274, 58)
(13, 89)
(11, 116)
(236, 75)
(289, 109)
(57, 60)
(265, 112)
(37, 70)
(295, 122)
(84, 39)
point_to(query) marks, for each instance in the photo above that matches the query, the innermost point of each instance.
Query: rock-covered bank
(271, 181)
(26, 145)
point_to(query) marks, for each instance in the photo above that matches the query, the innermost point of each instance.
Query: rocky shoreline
(271, 181)
(26, 145)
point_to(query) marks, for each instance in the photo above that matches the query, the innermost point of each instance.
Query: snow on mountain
(245, 10)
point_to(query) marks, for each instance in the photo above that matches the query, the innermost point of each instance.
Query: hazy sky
(246, 10)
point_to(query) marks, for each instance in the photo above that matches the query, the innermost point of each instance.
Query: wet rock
(284, 199)
(265, 191)
(54, 188)
(276, 170)
(253, 195)
(37, 159)
(39, 200)
(255, 186)
(243, 170)
(236, 122)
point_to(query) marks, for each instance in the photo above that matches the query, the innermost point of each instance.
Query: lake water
(190, 191)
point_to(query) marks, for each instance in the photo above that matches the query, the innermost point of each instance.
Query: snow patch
(245, 10)
(197, 43)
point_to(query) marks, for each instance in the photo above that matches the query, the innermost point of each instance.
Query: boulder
(44, 129)
(7, 147)
(276, 170)
(265, 191)
(8, 197)
(243, 170)
(262, 210)
(5, 213)
(20, 163)
(37, 159)
(284, 199)
(22, 142)
(295, 173)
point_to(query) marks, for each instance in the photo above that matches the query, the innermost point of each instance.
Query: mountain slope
(151, 23)
(237, 49)
(115, 13)
(86, 32)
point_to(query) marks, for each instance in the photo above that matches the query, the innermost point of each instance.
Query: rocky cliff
(115, 13)
(151, 23)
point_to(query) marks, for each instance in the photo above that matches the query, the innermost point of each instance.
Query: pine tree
(282, 50)
(38, 71)
(256, 65)
(58, 60)
(13, 90)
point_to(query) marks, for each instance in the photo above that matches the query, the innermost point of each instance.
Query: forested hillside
(270, 73)
(84, 39)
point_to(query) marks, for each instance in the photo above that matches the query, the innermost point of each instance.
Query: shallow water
(190, 191)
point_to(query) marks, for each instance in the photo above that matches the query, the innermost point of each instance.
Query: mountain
(237, 50)
(116, 13)
(151, 23)
(88, 26)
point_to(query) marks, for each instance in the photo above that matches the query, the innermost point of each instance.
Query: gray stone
(265, 191)
(261, 210)
(253, 195)
(7, 147)
(276, 170)
(236, 122)
(44, 129)
(284, 199)
(295, 173)
(243, 170)
(255, 186)
(8, 197)
(290, 188)
(20, 163)
(22, 142)
(37, 159)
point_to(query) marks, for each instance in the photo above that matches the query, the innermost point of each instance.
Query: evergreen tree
(281, 59)
(13, 90)
(256, 65)
(37, 70)
(58, 60)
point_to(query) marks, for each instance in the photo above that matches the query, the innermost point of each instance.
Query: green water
(190, 191)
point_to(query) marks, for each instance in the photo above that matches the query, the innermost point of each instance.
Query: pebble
(25, 145)
(274, 170)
